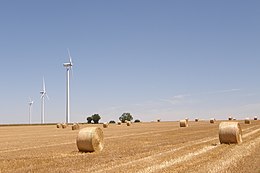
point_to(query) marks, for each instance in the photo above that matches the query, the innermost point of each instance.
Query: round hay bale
(255, 118)
(247, 121)
(183, 123)
(64, 125)
(119, 123)
(212, 120)
(230, 118)
(58, 125)
(158, 120)
(230, 132)
(105, 125)
(187, 119)
(196, 119)
(75, 126)
(234, 118)
(128, 123)
(90, 139)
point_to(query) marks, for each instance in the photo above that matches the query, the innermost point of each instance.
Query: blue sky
(155, 59)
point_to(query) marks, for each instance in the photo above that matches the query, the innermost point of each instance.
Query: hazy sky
(153, 58)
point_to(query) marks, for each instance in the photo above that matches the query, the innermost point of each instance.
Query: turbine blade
(70, 59)
(71, 72)
(69, 54)
(68, 51)
(43, 84)
(47, 96)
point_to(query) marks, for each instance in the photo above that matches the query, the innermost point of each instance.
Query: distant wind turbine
(68, 67)
(43, 94)
(30, 109)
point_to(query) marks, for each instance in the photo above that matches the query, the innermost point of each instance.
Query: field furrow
(141, 147)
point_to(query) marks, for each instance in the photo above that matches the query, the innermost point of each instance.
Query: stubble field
(139, 148)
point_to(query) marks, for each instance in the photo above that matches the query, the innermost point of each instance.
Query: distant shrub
(137, 121)
(89, 119)
(112, 122)
(96, 118)
(125, 117)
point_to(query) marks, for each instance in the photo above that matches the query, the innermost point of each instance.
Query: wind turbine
(68, 67)
(30, 109)
(43, 94)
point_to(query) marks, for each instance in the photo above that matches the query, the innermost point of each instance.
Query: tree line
(123, 118)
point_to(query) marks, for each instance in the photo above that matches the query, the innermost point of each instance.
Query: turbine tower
(43, 94)
(68, 67)
(30, 109)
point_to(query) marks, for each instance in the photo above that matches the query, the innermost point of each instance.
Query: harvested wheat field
(139, 148)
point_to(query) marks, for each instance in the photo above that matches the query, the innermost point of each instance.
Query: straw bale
(75, 126)
(64, 125)
(58, 125)
(247, 121)
(230, 132)
(90, 139)
(183, 123)
(105, 125)
(128, 123)
(212, 120)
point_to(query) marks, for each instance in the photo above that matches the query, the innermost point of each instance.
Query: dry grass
(162, 147)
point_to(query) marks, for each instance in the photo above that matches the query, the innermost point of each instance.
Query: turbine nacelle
(43, 91)
(67, 65)
(30, 103)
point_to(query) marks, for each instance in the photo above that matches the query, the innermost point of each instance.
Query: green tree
(112, 122)
(89, 119)
(96, 118)
(125, 117)
(137, 121)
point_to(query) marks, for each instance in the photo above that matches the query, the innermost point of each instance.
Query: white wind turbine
(43, 94)
(68, 67)
(30, 109)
